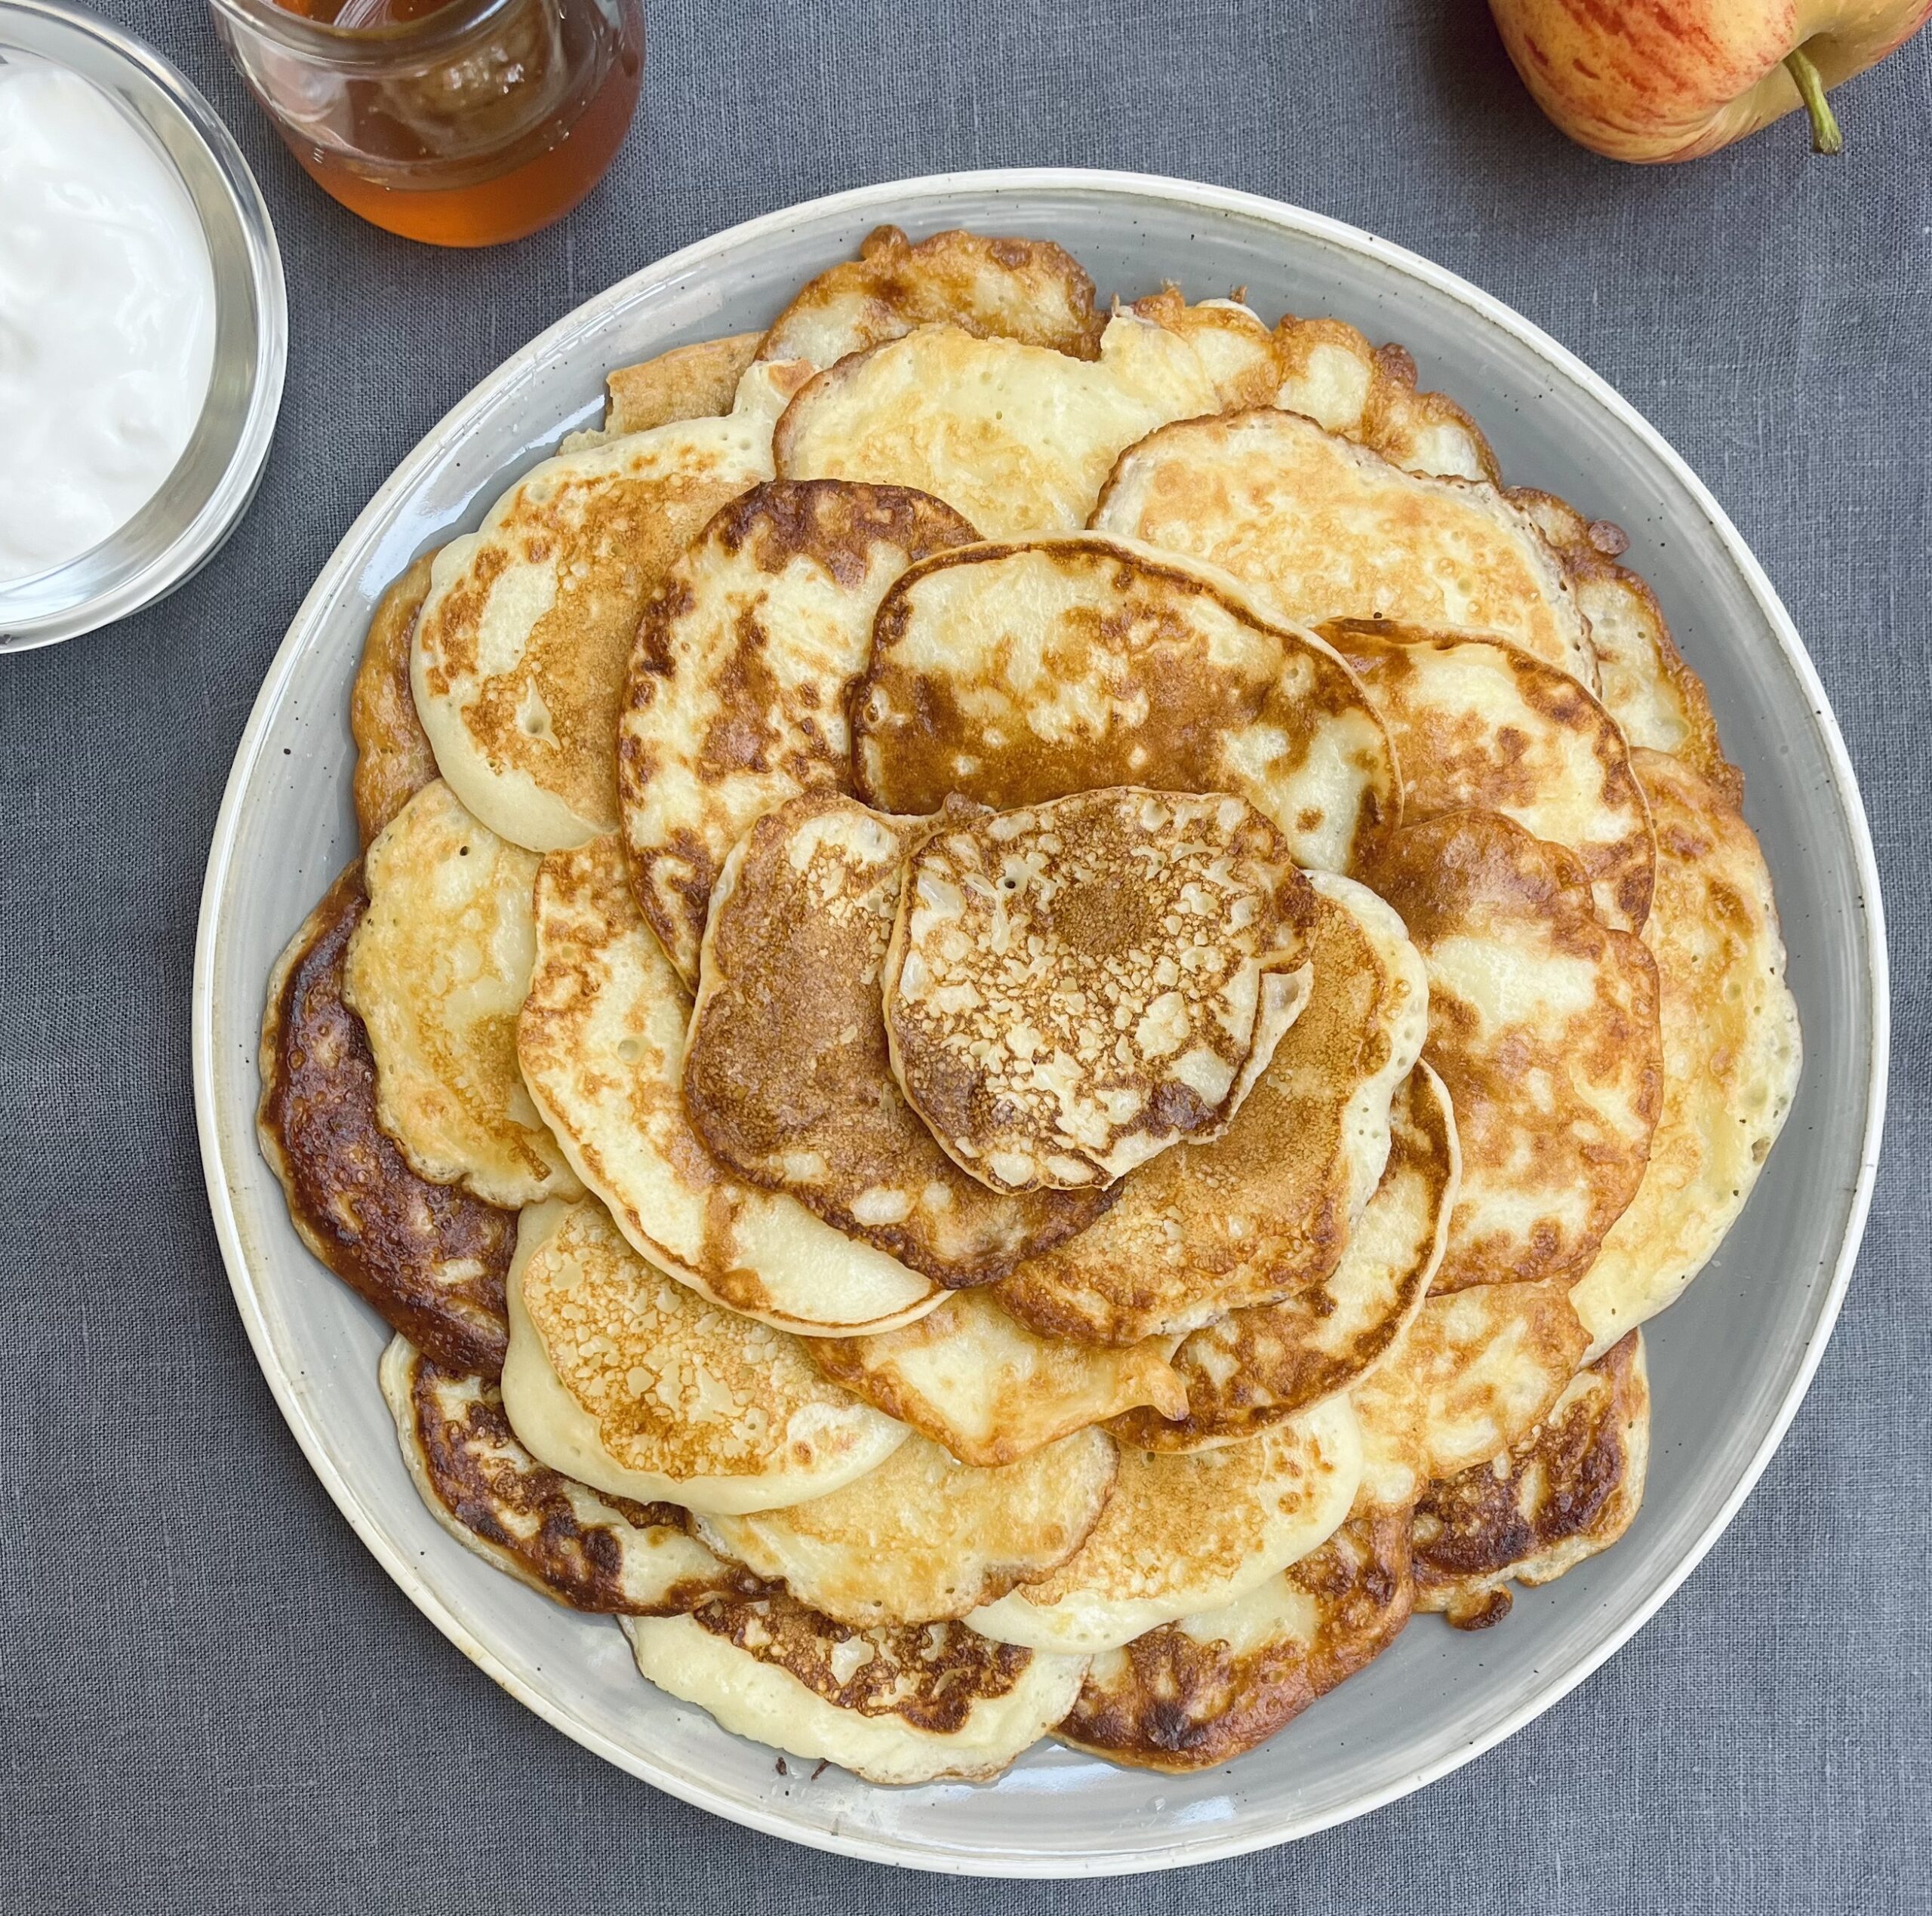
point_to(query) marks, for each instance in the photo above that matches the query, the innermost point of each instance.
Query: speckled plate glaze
(1728, 1365)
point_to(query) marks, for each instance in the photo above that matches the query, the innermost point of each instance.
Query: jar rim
(446, 27)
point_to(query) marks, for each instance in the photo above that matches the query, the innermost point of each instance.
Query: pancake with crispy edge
(429, 1258)
(393, 760)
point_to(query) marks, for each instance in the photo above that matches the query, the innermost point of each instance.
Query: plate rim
(291, 1394)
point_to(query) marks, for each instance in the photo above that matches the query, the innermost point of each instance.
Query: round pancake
(438, 970)
(1567, 1491)
(1732, 1052)
(1473, 1372)
(560, 1537)
(787, 1076)
(1182, 1534)
(1074, 988)
(1265, 1211)
(1029, 290)
(892, 1706)
(1018, 673)
(1018, 438)
(1331, 530)
(430, 1258)
(1543, 1025)
(1478, 724)
(1197, 1693)
(393, 760)
(974, 1379)
(601, 1043)
(624, 1379)
(519, 654)
(923, 1537)
(1257, 1366)
(744, 656)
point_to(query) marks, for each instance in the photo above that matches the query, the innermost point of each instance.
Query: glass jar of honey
(460, 122)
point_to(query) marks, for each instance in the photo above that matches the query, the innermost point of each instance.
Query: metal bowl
(200, 502)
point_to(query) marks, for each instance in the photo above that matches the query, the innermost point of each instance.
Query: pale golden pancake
(561, 1537)
(1479, 724)
(393, 760)
(1265, 1211)
(601, 1043)
(1543, 1025)
(520, 650)
(924, 1537)
(1732, 1052)
(1473, 1372)
(625, 1379)
(430, 1258)
(909, 1705)
(1015, 674)
(973, 1379)
(1197, 1693)
(745, 653)
(688, 382)
(1329, 529)
(1018, 438)
(1566, 1491)
(1183, 1534)
(1029, 290)
(437, 971)
(1257, 1366)
(787, 1076)
(1073, 988)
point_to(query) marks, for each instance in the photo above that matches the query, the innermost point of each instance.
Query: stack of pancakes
(1034, 999)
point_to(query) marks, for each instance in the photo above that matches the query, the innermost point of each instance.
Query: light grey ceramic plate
(1728, 1365)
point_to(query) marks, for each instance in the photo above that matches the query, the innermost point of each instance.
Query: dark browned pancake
(1203, 1691)
(393, 759)
(429, 1257)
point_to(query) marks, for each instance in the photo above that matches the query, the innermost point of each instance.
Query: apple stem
(1825, 137)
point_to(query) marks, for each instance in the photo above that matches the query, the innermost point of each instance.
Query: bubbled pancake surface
(623, 1378)
(1543, 1025)
(1072, 987)
(744, 656)
(1265, 1209)
(1331, 530)
(1018, 438)
(1478, 724)
(601, 1043)
(787, 1077)
(393, 760)
(1013, 674)
(924, 1536)
(430, 1258)
(438, 970)
(1732, 1052)
(974, 1379)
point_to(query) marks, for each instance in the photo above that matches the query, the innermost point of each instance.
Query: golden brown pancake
(1732, 1052)
(974, 1379)
(1331, 530)
(1197, 1693)
(1013, 674)
(1543, 1025)
(1257, 1366)
(563, 1539)
(787, 1077)
(393, 760)
(688, 382)
(923, 1537)
(1029, 290)
(911, 1705)
(1567, 1491)
(431, 1258)
(744, 657)
(1479, 724)
(1265, 1211)
(1074, 988)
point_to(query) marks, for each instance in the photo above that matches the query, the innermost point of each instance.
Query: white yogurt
(106, 317)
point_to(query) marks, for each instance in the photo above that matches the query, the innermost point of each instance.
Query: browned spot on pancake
(393, 758)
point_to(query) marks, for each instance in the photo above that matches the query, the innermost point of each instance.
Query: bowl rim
(94, 48)
(934, 190)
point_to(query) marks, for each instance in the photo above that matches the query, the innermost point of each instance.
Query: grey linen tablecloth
(210, 1697)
